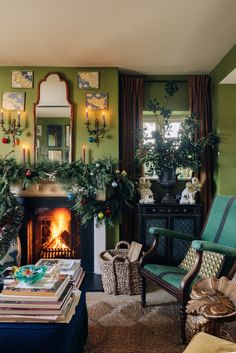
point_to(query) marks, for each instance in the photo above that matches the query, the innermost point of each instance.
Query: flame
(60, 223)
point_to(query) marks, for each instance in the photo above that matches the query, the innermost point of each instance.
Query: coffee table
(47, 337)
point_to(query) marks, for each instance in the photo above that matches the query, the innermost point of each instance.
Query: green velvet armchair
(218, 237)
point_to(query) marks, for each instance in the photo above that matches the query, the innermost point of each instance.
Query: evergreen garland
(83, 183)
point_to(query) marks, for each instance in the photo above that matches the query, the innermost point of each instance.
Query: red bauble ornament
(83, 202)
(28, 172)
(4, 140)
(107, 212)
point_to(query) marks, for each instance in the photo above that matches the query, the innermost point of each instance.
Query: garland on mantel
(82, 182)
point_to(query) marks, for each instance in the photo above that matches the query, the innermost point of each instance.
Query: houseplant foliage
(82, 181)
(184, 151)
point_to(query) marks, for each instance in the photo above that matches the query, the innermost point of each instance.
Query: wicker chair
(218, 236)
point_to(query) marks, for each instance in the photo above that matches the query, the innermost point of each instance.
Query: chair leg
(183, 317)
(143, 291)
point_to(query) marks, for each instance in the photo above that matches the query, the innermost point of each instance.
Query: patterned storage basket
(119, 275)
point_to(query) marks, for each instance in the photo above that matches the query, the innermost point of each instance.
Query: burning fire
(59, 229)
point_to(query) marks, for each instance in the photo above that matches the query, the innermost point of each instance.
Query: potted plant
(163, 154)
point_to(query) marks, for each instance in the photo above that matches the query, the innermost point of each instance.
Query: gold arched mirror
(53, 114)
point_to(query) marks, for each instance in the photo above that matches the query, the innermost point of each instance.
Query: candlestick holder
(98, 132)
(14, 129)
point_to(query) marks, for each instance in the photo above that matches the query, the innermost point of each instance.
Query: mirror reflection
(53, 120)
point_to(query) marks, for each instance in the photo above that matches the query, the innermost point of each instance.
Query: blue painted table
(47, 337)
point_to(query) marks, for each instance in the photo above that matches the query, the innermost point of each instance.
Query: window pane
(174, 129)
(150, 127)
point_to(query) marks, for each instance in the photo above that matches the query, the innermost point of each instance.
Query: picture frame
(88, 80)
(55, 155)
(54, 135)
(39, 130)
(22, 79)
(97, 101)
(67, 136)
(13, 101)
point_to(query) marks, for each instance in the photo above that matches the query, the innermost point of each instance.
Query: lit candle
(103, 117)
(86, 115)
(18, 117)
(2, 121)
(83, 154)
(23, 155)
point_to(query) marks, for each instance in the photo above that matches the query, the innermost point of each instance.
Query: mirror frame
(61, 79)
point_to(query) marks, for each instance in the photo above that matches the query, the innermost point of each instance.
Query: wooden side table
(213, 302)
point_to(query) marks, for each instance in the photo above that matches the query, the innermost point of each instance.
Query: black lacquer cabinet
(182, 218)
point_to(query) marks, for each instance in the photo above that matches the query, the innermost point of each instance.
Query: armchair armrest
(213, 247)
(156, 231)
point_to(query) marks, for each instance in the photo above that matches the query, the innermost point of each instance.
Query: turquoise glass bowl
(30, 273)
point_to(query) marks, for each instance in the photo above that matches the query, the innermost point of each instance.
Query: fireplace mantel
(42, 189)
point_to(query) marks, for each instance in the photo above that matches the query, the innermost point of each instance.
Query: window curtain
(199, 101)
(131, 116)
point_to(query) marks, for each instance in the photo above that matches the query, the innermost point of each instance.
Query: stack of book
(70, 267)
(51, 299)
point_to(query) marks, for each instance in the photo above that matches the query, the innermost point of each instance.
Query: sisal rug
(129, 328)
(118, 324)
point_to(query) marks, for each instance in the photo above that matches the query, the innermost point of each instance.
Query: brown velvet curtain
(131, 112)
(199, 101)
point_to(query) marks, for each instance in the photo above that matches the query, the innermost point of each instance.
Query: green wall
(108, 84)
(224, 121)
(109, 145)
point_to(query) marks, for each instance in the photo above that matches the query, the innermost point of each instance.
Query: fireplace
(53, 234)
(51, 229)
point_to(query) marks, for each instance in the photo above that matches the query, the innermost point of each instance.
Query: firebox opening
(53, 234)
(54, 227)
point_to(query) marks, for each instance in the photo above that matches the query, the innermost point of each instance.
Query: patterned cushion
(211, 263)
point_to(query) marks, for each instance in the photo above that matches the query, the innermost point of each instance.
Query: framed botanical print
(13, 101)
(88, 80)
(97, 101)
(22, 79)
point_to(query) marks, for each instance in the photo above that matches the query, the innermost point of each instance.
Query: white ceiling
(143, 36)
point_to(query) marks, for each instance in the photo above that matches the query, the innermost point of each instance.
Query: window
(150, 123)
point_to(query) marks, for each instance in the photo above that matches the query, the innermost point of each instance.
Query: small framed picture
(97, 101)
(88, 80)
(55, 155)
(39, 130)
(67, 135)
(13, 101)
(54, 135)
(67, 155)
(22, 79)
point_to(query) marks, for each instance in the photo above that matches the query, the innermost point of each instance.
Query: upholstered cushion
(170, 274)
(211, 263)
(203, 342)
